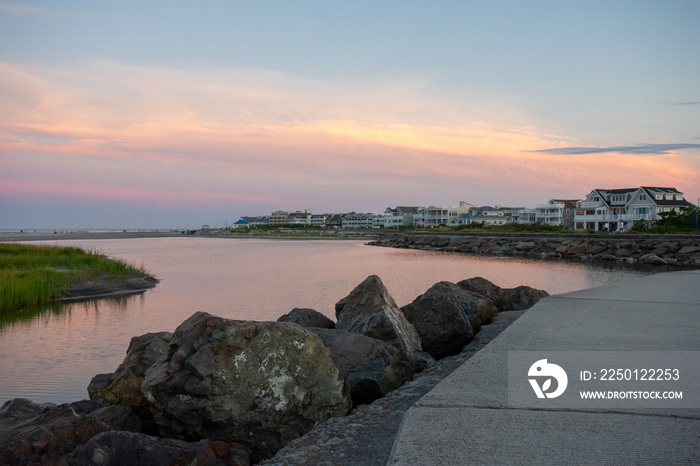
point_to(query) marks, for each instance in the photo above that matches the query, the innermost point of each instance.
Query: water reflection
(51, 354)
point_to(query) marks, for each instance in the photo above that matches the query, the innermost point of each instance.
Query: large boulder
(259, 384)
(117, 448)
(35, 434)
(123, 387)
(505, 299)
(521, 297)
(374, 367)
(307, 318)
(441, 316)
(370, 310)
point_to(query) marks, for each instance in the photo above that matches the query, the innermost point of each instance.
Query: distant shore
(80, 235)
(84, 235)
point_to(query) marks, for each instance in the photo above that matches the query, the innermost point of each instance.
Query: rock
(440, 316)
(123, 387)
(126, 448)
(486, 289)
(33, 434)
(521, 297)
(524, 245)
(374, 367)
(258, 384)
(505, 299)
(307, 318)
(652, 259)
(370, 310)
(689, 250)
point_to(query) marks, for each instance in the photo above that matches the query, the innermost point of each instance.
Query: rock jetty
(221, 391)
(681, 251)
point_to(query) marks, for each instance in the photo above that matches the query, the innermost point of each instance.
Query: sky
(174, 114)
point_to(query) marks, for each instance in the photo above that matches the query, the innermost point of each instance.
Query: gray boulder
(127, 448)
(520, 298)
(441, 316)
(505, 299)
(35, 434)
(259, 384)
(123, 387)
(370, 310)
(374, 368)
(307, 318)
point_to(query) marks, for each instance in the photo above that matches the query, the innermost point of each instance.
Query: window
(679, 197)
(642, 197)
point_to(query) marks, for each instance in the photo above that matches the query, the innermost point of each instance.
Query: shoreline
(83, 235)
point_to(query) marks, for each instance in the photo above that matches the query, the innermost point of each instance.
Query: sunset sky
(163, 114)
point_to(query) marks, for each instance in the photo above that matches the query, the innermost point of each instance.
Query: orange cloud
(272, 129)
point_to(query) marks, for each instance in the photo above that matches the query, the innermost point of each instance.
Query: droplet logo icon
(544, 372)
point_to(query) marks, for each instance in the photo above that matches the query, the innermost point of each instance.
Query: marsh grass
(31, 275)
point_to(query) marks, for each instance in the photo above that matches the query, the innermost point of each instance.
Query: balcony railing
(613, 217)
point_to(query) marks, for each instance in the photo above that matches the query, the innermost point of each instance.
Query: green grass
(31, 275)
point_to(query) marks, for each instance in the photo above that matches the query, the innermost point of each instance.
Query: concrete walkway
(467, 419)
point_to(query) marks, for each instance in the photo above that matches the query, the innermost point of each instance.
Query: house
(398, 217)
(435, 216)
(557, 212)
(279, 217)
(356, 220)
(613, 209)
(486, 214)
(334, 220)
(524, 215)
(319, 220)
(282, 217)
(299, 218)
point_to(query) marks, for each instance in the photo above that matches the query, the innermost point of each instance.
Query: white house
(435, 216)
(524, 215)
(487, 215)
(621, 208)
(557, 212)
(394, 218)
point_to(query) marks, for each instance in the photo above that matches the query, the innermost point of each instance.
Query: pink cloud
(33, 189)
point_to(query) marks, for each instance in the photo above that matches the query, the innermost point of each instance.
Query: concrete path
(467, 418)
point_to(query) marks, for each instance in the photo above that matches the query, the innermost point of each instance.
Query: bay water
(52, 356)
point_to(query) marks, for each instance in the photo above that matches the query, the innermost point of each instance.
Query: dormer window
(659, 196)
(679, 197)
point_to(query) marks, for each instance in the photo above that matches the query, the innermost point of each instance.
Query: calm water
(53, 356)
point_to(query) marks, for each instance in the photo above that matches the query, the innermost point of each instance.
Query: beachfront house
(524, 215)
(319, 220)
(435, 216)
(485, 214)
(395, 218)
(557, 212)
(355, 220)
(615, 209)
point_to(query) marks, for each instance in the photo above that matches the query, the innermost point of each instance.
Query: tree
(677, 222)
